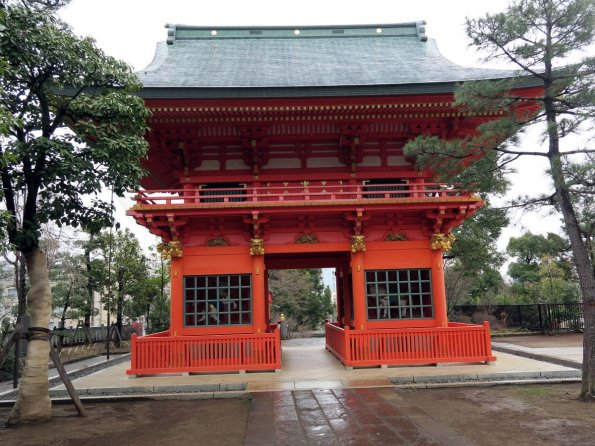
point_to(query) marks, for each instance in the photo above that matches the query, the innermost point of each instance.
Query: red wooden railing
(215, 353)
(290, 193)
(455, 343)
(337, 341)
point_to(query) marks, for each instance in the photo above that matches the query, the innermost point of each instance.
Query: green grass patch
(533, 391)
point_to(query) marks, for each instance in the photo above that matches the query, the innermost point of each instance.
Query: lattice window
(386, 185)
(217, 300)
(219, 190)
(399, 294)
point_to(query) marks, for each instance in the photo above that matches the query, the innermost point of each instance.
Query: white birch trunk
(33, 401)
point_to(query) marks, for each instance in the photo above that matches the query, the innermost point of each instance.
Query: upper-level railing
(300, 193)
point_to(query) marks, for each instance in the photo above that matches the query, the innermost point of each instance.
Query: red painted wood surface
(170, 354)
(454, 343)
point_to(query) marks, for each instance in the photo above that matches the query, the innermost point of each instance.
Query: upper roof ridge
(177, 32)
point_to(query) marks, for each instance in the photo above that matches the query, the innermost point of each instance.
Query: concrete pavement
(307, 365)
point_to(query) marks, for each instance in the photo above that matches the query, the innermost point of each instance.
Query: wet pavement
(357, 417)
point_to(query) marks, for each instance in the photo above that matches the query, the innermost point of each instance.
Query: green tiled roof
(311, 61)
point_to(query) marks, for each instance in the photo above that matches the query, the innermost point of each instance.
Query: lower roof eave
(156, 92)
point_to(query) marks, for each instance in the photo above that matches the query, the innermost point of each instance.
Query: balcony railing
(279, 195)
(455, 343)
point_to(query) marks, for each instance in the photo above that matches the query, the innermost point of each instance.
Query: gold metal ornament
(169, 250)
(256, 247)
(358, 243)
(443, 242)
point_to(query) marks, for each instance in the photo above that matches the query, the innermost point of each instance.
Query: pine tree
(547, 41)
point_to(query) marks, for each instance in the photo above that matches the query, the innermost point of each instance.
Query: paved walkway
(358, 417)
(307, 365)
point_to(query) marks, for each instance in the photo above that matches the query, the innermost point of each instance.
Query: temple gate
(282, 148)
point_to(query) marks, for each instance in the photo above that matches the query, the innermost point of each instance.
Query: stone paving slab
(358, 417)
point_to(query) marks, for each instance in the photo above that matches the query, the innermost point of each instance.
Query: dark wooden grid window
(220, 189)
(386, 185)
(399, 294)
(217, 300)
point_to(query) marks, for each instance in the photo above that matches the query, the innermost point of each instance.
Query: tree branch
(512, 152)
(514, 59)
(549, 201)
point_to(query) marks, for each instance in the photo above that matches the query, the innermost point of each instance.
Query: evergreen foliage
(301, 296)
(71, 126)
(548, 41)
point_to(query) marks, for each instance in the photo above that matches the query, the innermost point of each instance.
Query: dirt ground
(520, 415)
(220, 422)
(543, 341)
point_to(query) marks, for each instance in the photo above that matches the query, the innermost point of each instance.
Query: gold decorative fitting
(395, 237)
(443, 242)
(170, 250)
(256, 247)
(219, 241)
(305, 239)
(358, 243)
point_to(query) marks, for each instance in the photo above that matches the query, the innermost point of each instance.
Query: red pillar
(177, 297)
(258, 295)
(359, 292)
(439, 291)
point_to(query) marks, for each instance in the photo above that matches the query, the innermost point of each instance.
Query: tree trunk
(585, 276)
(584, 268)
(119, 324)
(62, 328)
(90, 287)
(21, 282)
(120, 308)
(33, 401)
(147, 320)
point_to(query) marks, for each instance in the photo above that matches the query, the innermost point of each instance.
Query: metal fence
(537, 317)
(81, 335)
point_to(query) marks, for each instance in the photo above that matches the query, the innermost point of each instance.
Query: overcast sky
(129, 29)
